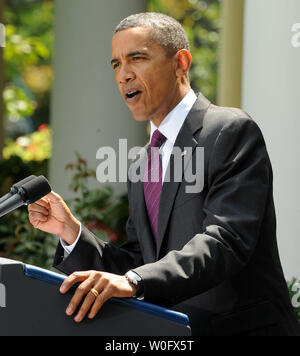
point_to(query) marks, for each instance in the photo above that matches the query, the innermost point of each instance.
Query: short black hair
(166, 31)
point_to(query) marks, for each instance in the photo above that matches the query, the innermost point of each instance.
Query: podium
(31, 305)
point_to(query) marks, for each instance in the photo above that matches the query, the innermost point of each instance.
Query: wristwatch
(135, 279)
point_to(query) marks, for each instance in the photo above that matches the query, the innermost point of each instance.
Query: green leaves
(21, 52)
(27, 57)
(20, 241)
(17, 104)
(34, 147)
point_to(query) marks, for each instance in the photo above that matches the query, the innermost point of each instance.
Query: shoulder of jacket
(218, 118)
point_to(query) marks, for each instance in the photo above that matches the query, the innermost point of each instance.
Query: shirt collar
(172, 123)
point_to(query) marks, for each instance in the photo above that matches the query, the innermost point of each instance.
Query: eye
(137, 58)
(115, 65)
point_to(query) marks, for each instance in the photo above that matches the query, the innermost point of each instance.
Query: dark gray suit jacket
(216, 258)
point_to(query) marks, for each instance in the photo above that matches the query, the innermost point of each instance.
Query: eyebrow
(130, 54)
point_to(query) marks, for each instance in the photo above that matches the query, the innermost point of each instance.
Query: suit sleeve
(239, 179)
(90, 253)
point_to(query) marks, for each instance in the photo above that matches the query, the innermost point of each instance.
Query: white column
(87, 109)
(271, 95)
(230, 53)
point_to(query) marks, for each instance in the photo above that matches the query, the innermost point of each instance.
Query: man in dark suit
(209, 252)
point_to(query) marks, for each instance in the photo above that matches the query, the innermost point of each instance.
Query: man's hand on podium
(51, 214)
(107, 285)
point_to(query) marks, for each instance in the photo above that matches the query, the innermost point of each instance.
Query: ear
(184, 62)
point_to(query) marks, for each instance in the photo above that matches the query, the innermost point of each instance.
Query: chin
(140, 118)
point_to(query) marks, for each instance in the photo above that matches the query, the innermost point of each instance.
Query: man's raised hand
(52, 215)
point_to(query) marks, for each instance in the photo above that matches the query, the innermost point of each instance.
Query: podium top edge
(7, 261)
(57, 279)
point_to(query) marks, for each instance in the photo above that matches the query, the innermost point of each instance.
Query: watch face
(133, 277)
(136, 280)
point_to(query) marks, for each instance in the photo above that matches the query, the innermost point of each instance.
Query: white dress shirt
(169, 127)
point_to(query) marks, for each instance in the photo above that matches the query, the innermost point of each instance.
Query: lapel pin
(183, 153)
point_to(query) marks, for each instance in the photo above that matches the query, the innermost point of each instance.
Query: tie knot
(158, 139)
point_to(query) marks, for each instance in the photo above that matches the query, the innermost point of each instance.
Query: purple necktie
(153, 180)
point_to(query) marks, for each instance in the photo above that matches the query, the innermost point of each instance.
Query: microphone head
(35, 189)
(23, 181)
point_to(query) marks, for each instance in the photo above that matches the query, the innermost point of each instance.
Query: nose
(125, 75)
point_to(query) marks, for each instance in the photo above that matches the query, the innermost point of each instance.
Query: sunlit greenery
(28, 57)
(18, 105)
(34, 147)
(201, 20)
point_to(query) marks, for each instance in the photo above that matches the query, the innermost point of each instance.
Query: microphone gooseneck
(14, 189)
(28, 193)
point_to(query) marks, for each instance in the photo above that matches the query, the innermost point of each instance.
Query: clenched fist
(52, 215)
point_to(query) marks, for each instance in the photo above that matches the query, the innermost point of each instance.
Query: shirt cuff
(69, 248)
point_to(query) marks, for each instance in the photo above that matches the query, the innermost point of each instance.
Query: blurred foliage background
(27, 59)
(28, 80)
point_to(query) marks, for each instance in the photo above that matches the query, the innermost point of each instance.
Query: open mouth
(132, 94)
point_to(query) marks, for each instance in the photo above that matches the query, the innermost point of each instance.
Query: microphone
(28, 193)
(14, 189)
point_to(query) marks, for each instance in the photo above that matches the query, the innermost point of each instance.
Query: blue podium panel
(31, 304)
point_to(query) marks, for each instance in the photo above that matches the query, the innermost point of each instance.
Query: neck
(158, 119)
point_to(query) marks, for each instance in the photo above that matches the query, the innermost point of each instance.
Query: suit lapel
(186, 143)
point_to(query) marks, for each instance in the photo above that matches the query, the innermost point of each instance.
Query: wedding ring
(95, 292)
